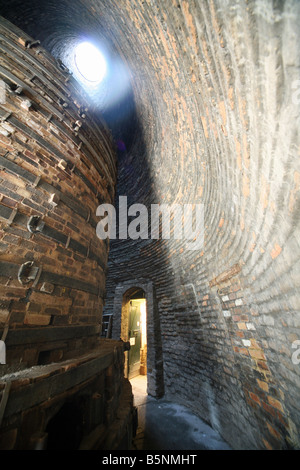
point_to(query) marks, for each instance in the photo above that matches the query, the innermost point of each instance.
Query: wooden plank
(44, 389)
(4, 400)
(51, 333)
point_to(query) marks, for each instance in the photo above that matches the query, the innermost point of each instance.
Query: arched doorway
(134, 330)
(150, 356)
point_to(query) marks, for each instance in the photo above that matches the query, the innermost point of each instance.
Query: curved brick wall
(217, 113)
(61, 385)
(57, 164)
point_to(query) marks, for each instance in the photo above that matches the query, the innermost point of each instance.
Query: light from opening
(90, 62)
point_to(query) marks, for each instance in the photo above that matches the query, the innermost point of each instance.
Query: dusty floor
(166, 426)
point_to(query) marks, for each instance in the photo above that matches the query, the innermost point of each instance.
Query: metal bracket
(82, 112)
(36, 181)
(77, 125)
(89, 215)
(4, 334)
(62, 103)
(35, 224)
(12, 216)
(33, 44)
(26, 104)
(27, 273)
(88, 250)
(5, 117)
(18, 90)
(68, 241)
(62, 66)
(35, 283)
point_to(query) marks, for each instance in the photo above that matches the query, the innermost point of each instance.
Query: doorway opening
(134, 331)
(151, 358)
(137, 335)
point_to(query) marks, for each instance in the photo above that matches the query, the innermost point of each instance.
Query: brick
(257, 354)
(276, 251)
(267, 444)
(263, 385)
(275, 403)
(269, 409)
(49, 300)
(273, 431)
(8, 439)
(226, 313)
(47, 287)
(242, 351)
(35, 319)
(262, 365)
(55, 311)
(23, 42)
(245, 318)
(4, 313)
(9, 202)
(254, 397)
(240, 334)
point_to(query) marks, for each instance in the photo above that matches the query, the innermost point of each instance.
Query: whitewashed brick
(226, 313)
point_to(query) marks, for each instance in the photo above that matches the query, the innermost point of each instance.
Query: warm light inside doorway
(143, 322)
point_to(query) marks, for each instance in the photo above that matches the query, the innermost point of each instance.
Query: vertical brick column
(57, 164)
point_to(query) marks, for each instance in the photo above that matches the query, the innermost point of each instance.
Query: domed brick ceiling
(211, 117)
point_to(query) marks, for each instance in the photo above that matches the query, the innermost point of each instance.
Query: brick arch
(123, 291)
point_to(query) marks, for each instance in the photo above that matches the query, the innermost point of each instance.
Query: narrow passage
(163, 425)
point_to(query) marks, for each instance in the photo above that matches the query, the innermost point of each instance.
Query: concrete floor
(166, 426)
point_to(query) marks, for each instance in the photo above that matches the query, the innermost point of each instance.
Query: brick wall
(57, 165)
(216, 131)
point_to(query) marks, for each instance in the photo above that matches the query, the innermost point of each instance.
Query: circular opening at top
(90, 62)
